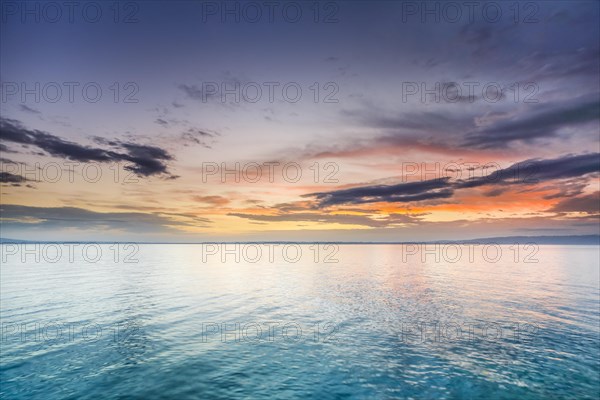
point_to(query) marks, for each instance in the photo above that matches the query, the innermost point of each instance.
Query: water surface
(359, 321)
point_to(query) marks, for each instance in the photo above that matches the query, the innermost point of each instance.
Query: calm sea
(299, 321)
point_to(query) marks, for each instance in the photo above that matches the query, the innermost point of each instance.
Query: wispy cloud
(18, 216)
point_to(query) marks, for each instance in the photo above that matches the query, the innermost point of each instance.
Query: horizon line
(549, 238)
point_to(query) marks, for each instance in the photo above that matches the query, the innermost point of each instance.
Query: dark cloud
(400, 193)
(7, 177)
(5, 149)
(145, 160)
(495, 192)
(466, 129)
(451, 92)
(529, 172)
(564, 189)
(589, 204)
(105, 142)
(535, 125)
(536, 171)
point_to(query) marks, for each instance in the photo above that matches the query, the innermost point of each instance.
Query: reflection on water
(356, 321)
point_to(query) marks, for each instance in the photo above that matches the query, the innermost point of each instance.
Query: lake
(289, 321)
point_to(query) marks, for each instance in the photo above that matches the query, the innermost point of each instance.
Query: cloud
(345, 219)
(197, 136)
(474, 130)
(145, 160)
(423, 121)
(538, 170)
(216, 90)
(194, 92)
(11, 179)
(191, 135)
(211, 200)
(27, 109)
(528, 172)
(400, 193)
(545, 123)
(582, 61)
(589, 204)
(7, 177)
(452, 93)
(495, 192)
(17, 216)
(570, 188)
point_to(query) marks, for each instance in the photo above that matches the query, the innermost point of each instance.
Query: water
(152, 329)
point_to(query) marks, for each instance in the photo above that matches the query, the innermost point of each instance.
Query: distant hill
(2, 240)
(575, 239)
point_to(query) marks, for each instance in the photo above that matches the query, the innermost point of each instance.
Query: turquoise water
(357, 321)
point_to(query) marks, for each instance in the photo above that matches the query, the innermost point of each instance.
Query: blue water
(152, 329)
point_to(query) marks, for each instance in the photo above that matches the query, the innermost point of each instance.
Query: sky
(191, 121)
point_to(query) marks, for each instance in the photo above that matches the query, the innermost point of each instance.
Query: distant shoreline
(539, 240)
